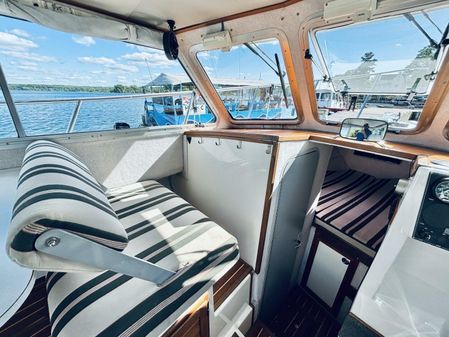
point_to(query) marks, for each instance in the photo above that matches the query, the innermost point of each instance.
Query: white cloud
(84, 40)
(96, 60)
(28, 68)
(123, 67)
(13, 42)
(154, 59)
(19, 32)
(23, 55)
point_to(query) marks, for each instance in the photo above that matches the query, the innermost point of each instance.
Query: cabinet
(333, 272)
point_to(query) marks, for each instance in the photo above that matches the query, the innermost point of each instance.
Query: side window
(7, 129)
(388, 78)
(62, 82)
(251, 80)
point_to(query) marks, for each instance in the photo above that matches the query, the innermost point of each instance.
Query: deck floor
(302, 316)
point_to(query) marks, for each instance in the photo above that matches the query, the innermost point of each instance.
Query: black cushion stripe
(148, 202)
(53, 280)
(54, 145)
(120, 280)
(370, 214)
(153, 226)
(47, 154)
(107, 275)
(341, 177)
(153, 300)
(361, 196)
(161, 315)
(64, 171)
(167, 197)
(94, 201)
(343, 190)
(376, 237)
(75, 227)
(82, 174)
(63, 195)
(24, 241)
(156, 218)
(113, 198)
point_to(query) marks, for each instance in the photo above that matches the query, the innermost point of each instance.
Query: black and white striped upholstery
(358, 205)
(164, 229)
(56, 190)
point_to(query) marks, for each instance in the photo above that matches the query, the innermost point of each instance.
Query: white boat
(289, 177)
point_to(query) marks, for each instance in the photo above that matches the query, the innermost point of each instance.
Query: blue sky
(30, 53)
(242, 63)
(395, 41)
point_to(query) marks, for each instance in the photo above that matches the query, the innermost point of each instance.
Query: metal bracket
(239, 144)
(200, 140)
(218, 142)
(69, 246)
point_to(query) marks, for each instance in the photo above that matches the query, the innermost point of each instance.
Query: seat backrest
(56, 190)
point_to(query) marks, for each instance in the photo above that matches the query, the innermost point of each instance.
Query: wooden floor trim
(230, 281)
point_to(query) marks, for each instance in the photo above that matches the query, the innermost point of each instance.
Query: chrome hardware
(200, 140)
(268, 150)
(218, 142)
(239, 144)
(52, 242)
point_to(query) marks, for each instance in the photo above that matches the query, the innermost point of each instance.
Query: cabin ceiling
(185, 13)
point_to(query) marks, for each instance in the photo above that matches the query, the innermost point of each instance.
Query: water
(53, 118)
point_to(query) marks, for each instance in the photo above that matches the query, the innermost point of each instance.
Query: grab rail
(80, 100)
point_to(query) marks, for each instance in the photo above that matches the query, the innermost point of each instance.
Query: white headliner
(185, 13)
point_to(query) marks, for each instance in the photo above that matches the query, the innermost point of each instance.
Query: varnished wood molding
(237, 16)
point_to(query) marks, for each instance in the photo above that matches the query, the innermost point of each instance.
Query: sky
(394, 41)
(33, 54)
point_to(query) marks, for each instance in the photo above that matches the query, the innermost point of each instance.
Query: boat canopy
(171, 80)
(80, 21)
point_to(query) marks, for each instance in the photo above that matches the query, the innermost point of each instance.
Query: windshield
(64, 83)
(251, 80)
(382, 69)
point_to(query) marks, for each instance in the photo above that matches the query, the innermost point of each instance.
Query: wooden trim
(267, 206)
(430, 109)
(195, 323)
(237, 16)
(271, 136)
(230, 281)
(366, 325)
(354, 255)
(223, 133)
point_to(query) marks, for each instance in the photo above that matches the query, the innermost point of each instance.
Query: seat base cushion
(164, 229)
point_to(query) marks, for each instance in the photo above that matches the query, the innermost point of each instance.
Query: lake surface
(53, 118)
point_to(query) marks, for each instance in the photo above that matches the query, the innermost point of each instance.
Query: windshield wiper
(412, 19)
(277, 71)
(436, 45)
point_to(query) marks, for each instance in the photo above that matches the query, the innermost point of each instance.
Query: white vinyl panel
(327, 273)
(229, 184)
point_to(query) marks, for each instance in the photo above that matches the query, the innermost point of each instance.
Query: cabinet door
(327, 273)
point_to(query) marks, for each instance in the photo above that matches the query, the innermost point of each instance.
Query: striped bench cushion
(56, 190)
(358, 205)
(162, 228)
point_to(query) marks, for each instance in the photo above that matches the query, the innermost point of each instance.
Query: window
(251, 80)
(62, 82)
(7, 129)
(381, 69)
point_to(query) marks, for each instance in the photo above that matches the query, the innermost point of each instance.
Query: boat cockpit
(274, 168)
